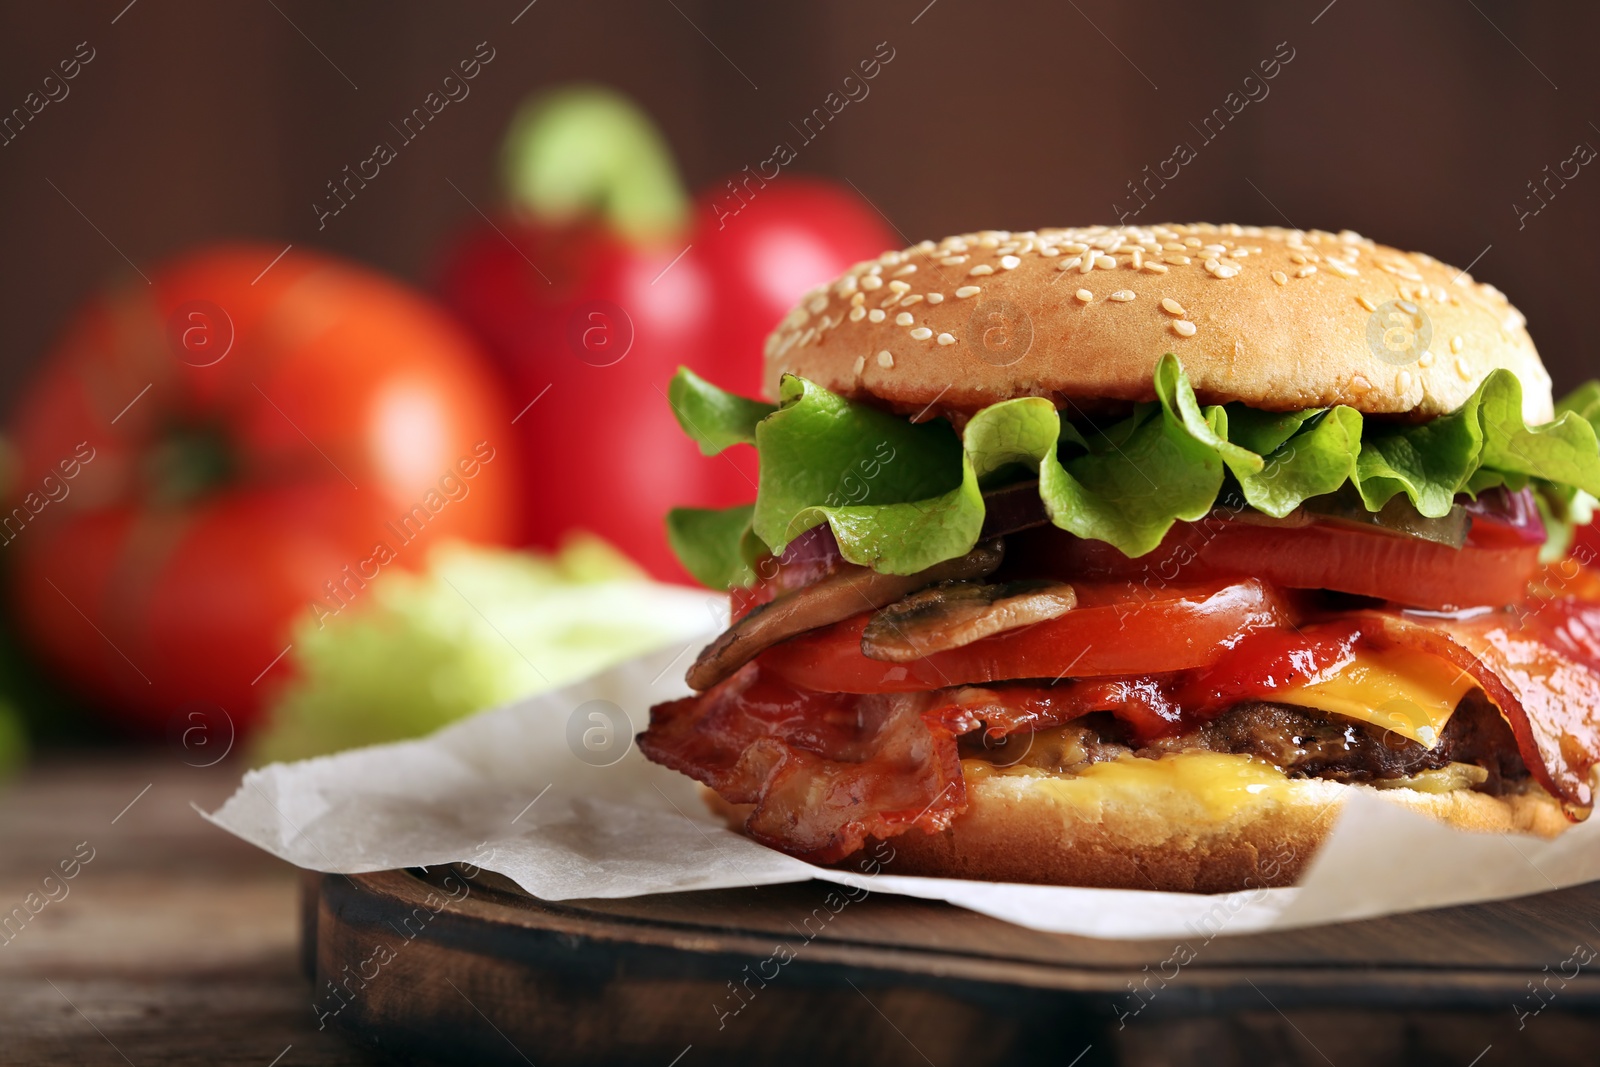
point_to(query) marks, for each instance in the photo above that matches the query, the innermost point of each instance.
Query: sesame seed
(1402, 381)
(1171, 306)
(1426, 359)
(904, 319)
(914, 298)
(885, 359)
(1368, 304)
(980, 269)
(1359, 385)
(1010, 262)
(967, 290)
(861, 365)
(953, 261)
(1342, 269)
(1122, 296)
(1068, 264)
(1183, 328)
(1297, 258)
(1306, 271)
(921, 333)
(1456, 344)
(857, 300)
(817, 304)
(898, 286)
(870, 282)
(1212, 264)
(909, 268)
(876, 315)
(1463, 368)
(1085, 295)
(1176, 261)
(1280, 277)
(1105, 262)
(1050, 250)
(857, 314)
(947, 339)
(935, 298)
(1225, 271)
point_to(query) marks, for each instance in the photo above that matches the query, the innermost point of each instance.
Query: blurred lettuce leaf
(477, 628)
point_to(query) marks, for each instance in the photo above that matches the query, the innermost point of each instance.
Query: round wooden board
(459, 965)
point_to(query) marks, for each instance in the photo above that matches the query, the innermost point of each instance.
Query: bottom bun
(1197, 822)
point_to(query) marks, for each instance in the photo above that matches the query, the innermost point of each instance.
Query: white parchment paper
(530, 791)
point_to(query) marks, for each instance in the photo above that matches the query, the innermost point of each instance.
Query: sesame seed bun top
(1279, 319)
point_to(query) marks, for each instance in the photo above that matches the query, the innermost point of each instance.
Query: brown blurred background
(1420, 124)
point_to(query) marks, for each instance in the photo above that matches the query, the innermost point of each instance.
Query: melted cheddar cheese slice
(1391, 689)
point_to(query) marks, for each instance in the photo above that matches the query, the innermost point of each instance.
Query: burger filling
(920, 603)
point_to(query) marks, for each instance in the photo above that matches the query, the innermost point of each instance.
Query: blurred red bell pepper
(599, 279)
(766, 245)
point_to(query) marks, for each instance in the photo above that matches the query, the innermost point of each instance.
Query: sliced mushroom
(846, 592)
(953, 614)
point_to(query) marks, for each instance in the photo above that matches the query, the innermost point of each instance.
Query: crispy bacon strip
(824, 770)
(1540, 667)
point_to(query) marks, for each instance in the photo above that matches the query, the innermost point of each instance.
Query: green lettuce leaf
(1483, 444)
(901, 497)
(1584, 401)
(1315, 460)
(714, 418)
(1139, 476)
(1563, 451)
(1430, 463)
(1264, 432)
(711, 544)
(889, 488)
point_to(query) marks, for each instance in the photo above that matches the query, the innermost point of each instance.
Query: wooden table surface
(179, 944)
(175, 944)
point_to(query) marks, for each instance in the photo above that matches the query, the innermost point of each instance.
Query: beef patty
(1312, 744)
(1302, 742)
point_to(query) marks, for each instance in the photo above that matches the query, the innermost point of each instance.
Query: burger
(1124, 556)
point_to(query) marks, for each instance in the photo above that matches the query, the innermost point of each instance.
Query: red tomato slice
(1118, 628)
(1406, 570)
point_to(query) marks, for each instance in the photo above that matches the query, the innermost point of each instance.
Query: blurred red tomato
(765, 247)
(207, 459)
